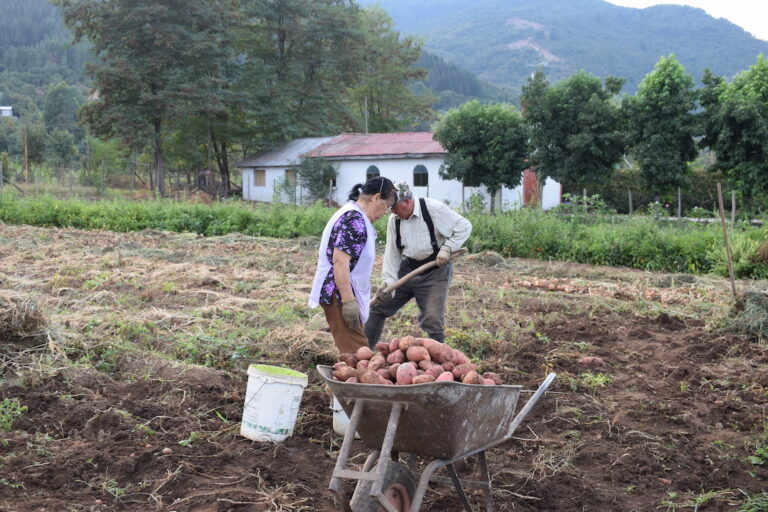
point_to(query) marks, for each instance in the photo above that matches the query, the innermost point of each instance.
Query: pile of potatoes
(409, 360)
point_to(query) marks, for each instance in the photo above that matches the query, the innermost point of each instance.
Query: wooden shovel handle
(400, 282)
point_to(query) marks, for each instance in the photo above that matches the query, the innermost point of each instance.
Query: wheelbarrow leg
(486, 476)
(386, 455)
(341, 461)
(459, 488)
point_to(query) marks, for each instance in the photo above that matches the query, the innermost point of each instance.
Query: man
(419, 231)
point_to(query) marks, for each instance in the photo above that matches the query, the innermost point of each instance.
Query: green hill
(503, 41)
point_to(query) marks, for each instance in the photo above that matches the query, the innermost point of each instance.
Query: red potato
(363, 353)
(488, 382)
(494, 377)
(389, 383)
(393, 370)
(420, 372)
(445, 376)
(348, 358)
(427, 342)
(405, 374)
(449, 366)
(352, 380)
(370, 377)
(394, 344)
(591, 361)
(363, 364)
(461, 370)
(426, 364)
(408, 341)
(472, 377)
(459, 357)
(397, 356)
(340, 364)
(435, 371)
(376, 362)
(383, 347)
(440, 352)
(343, 373)
(384, 373)
(416, 354)
(423, 379)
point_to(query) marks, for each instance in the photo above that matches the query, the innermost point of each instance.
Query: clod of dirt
(20, 317)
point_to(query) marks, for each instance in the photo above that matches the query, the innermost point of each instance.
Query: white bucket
(272, 400)
(340, 418)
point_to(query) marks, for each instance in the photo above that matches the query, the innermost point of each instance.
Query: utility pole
(26, 154)
(365, 113)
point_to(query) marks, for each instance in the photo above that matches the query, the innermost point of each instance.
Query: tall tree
(486, 144)
(575, 129)
(62, 103)
(736, 126)
(661, 125)
(158, 61)
(384, 96)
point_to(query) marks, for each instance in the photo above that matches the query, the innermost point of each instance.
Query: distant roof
(287, 154)
(393, 145)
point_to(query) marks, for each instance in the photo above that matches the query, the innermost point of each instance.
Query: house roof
(285, 155)
(372, 145)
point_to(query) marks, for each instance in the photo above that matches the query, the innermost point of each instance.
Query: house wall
(352, 172)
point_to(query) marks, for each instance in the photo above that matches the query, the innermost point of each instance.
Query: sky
(751, 15)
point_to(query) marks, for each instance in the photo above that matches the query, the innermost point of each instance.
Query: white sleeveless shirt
(360, 276)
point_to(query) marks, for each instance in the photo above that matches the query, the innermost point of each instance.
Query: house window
(260, 178)
(290, 177)
(372, 172)
(420, 176)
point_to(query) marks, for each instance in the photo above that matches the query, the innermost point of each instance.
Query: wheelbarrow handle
(530, 404)
(400, 282)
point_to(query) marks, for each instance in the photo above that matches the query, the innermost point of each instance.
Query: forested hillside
(505, 40)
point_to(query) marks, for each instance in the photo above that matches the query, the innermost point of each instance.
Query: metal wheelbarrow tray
(443, 421)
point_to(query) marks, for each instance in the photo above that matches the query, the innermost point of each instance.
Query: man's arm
(455, 228)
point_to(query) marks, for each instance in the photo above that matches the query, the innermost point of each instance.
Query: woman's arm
(341, 274)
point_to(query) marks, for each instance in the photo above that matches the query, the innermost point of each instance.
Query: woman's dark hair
(377, 185)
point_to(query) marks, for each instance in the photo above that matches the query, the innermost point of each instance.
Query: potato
(352, 380)
(370, 377)
(423, 379)
(340, 364)
(416, 354)
(494, 377)
(435, 371)
(398, 356)
(363, 364)
(383, 347)
(427, 342)
(376, 362)
(394, 344)
(348, 358)
(449, 366)
(344, 372)
(426, 364)
(488, 382)
(384, 373)
(440, 352)
(405, 374)
(445, 376)
(363, 353)
(408, 341)
(459, 357)
(393, 370)
(461, 370)
(472, 377)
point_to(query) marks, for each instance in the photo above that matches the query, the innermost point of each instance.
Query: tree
(61, 147)
(158, 61)
(575, 129)
(661, 125)
(384, 96)
(62, 103)
(314, 176)
(736, 123)
(486, 144)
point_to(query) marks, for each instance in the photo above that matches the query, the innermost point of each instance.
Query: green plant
(595, 380)
(756, 503)
(10, 410)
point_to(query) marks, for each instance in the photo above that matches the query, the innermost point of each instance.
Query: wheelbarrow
(443, 421)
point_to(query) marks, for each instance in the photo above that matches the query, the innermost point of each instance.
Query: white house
(413, 157)
(6, 111)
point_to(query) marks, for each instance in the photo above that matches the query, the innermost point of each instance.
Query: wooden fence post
(629, 193)
(728, 256)
(733, 207)
(679, 204)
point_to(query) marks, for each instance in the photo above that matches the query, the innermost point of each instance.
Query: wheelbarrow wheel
(399, 488)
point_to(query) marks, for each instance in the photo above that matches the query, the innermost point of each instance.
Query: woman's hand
(350, 311)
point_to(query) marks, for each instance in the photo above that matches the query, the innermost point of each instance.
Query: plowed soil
(134, 381)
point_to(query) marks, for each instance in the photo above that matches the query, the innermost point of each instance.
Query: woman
(342, 285)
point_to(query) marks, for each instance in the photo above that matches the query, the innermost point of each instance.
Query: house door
(531, 195)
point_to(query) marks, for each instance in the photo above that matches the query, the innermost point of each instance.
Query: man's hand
(443, 256)
(382, 296)
(350, 311)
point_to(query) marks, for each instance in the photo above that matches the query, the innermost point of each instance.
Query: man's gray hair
(403, 191)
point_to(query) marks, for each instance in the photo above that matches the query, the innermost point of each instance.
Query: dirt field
(129, 352)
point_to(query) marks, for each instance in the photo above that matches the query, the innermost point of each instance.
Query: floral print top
(348, 235)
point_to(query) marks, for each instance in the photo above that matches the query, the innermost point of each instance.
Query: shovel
(400, 282)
